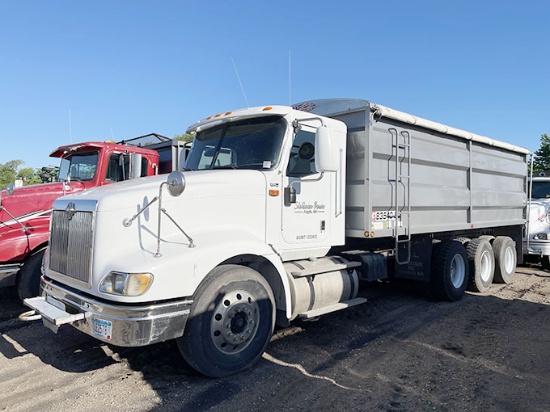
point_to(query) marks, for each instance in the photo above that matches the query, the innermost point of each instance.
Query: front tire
(449, 272)
(230, 323)
(28, 280)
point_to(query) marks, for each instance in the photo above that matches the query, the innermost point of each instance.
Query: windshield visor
(244, 144)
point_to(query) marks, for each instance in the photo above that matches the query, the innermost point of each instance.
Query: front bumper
(121, 325)
(537, 247)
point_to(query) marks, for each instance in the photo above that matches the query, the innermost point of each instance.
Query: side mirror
(11, 188)
(182, 156)
(327, 157)
(176, 183)
(135, 165)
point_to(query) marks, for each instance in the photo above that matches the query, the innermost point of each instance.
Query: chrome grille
(71, 244)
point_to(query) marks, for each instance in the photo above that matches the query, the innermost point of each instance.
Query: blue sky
(73, 71)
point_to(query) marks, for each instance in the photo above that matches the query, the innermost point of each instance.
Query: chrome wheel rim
(486, 266)
(458, 271)
(234, 322)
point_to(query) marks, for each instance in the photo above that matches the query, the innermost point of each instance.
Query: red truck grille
(71, 244)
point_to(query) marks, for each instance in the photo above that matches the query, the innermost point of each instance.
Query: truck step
(316, 270)
(50, 313)
(331, 308)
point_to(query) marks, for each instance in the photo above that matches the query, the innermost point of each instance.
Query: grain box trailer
(278, 215)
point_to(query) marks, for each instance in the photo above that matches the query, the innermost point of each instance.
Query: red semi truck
(25, 212)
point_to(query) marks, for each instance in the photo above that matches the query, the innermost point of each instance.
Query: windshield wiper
(225, 167)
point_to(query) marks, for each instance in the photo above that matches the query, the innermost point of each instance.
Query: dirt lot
(398, 352)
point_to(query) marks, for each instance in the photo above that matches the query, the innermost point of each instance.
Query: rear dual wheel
(449, 272)
(505, 259)
(482, 265)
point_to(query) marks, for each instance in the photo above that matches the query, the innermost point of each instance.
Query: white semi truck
(537, 239)
(280, 212)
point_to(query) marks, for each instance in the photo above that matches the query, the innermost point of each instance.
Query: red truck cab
(25, 211)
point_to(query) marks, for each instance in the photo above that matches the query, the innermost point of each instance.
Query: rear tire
(545, 262)
(481, 261)
(28, 279)
(505, 259)
(230, 323)
(449, 272)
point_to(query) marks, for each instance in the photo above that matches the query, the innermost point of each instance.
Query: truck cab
(25, 212)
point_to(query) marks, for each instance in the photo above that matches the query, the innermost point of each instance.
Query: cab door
(306, 223)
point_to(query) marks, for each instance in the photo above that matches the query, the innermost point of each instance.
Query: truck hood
(215, 184)
(29, 201)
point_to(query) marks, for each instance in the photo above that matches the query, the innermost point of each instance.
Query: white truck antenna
(70, 128)
(239, 78)
(289, 77)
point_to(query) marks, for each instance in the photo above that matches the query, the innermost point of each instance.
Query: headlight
(541, 236)
(126, 284)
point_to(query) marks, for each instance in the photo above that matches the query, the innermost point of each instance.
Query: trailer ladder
(402, 211)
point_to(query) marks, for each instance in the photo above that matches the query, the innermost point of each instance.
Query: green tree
(29, 176)
(8, 172)
(185, 137)
(542, 155)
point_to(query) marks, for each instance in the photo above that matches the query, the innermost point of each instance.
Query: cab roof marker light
(227, 113)
(265, 109)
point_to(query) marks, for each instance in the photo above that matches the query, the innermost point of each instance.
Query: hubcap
(509, 260)
(486, 266)
(234, 322)
(458, 271)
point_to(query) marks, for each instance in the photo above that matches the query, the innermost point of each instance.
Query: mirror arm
(290, 192)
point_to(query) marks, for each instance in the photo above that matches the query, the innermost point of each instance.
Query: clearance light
(218, 115)
(265, 109)
(227, 113)
(126, 284)
(273, 192)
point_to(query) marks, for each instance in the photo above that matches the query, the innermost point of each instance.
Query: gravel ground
(398, 352)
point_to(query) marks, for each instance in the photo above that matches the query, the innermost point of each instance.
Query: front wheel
(449, 272)
(230, 323)
(28, 280)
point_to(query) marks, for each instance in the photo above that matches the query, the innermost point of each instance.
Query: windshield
(541, 190)
(81, 166)
(244, 144)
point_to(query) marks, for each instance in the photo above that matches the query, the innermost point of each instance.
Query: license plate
(102, 328)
